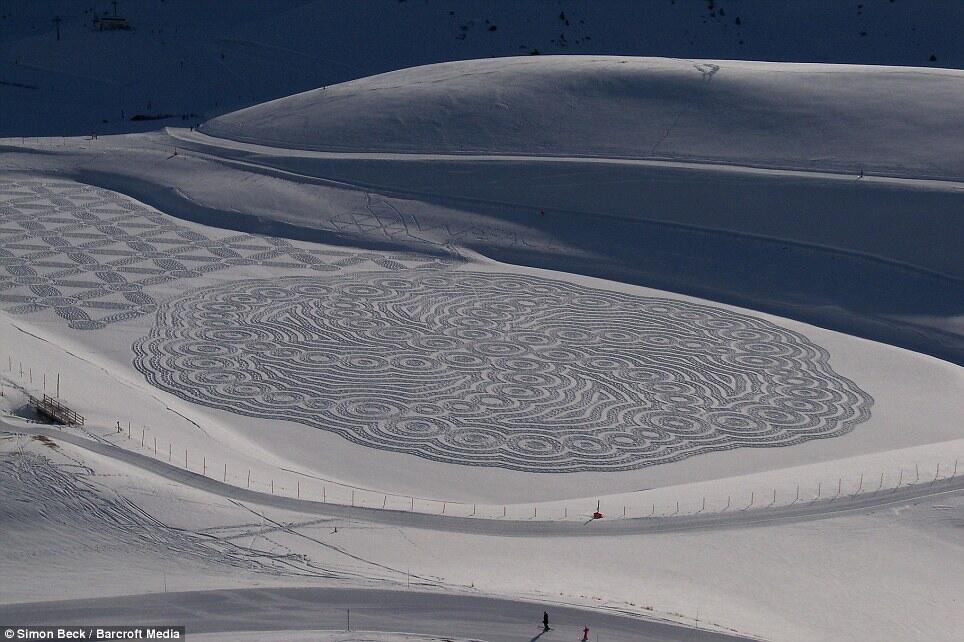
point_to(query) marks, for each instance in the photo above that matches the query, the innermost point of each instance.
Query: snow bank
(890, 120)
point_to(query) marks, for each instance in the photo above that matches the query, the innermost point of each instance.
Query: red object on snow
(585, 634)
(597, 515)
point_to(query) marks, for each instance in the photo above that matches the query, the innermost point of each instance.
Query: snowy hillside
(686, 175)
(892, 121)
(184, 61)
(446, 343)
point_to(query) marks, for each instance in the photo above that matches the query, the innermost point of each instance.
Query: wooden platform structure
(56, 411)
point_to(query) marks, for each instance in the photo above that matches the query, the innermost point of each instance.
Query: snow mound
(893, 120)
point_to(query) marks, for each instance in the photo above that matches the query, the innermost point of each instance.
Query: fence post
(298, 488)
(860, 486)
(249, 478)
(917, 471)
(225, 479)
(204, 465)
(272, 487)
(185, 458)
(900, 479)
(752, 497)
(881, 483)
(727, 507)
(938, 473)
(169, 448)
(143, 430)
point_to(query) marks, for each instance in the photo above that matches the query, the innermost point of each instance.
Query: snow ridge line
(237, 145)
(252, 162)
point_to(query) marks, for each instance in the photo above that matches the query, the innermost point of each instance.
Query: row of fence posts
(29, 373)
(535, 511)
(626, 512)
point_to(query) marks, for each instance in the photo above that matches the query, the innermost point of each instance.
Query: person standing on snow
(545, 620)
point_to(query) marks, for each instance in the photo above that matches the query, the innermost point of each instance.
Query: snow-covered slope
(804, 190)
(413, 330)
(187, 60)
(793, 581)
(897, 121)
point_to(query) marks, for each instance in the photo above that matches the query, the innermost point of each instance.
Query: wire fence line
(298, 486)
(857, 486)
(640, 505)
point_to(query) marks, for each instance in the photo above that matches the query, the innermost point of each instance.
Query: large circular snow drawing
(499, 370)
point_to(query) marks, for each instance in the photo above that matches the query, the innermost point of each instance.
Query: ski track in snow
(514, 527)
(67, 495)
(64, 492)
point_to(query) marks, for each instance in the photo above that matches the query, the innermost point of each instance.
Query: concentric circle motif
(501, 370)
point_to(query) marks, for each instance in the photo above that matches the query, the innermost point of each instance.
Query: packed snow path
(298, 609)
(516, 527)
(511, 371)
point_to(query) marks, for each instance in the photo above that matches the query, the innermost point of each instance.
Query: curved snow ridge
(286, 613)
(275, 161)
(514, 527)
(804, 116)
(242, 150)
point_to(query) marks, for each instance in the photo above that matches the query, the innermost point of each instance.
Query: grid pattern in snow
(91, 255)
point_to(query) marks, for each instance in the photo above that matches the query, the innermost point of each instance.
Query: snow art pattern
(500, 370)
(90, 255)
